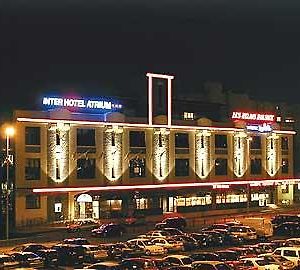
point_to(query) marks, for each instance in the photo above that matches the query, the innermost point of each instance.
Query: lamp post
(9, 132)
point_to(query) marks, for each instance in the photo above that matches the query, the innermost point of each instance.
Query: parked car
(8, 262)
(172, 222)
(28, 259)
(205, 256)
(215, 238)
(284, 263)
(228, 256)
(179, 260)
(157, 233)
(292, 242)
(282, 218)
(288, 229)
(73, 227)
(70, 255)
(210, 265)
(76, 241)
(218, 226)
(50, 256)
(108, 265)
(109, 230)
(290, 253)
(122, 250)
(138, 264)
(201, 238)
(173, 231)
(258, 263)
(189, 243)
(169, 243)
(148, 247)
(29, 247)
(245, 232)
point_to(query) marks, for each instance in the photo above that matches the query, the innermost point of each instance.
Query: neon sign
(254, 117)
(80, 103)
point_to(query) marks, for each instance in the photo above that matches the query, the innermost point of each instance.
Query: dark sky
(107, 46)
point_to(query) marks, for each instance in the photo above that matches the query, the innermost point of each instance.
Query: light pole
(9, 132)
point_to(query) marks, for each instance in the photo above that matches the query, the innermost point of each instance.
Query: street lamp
(9, 132)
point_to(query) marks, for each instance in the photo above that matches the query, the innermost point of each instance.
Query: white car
(158, 233)
(169, 244)
(148, 247)
(259, 263)
(179, 260)
(290, 253)
(283, 262)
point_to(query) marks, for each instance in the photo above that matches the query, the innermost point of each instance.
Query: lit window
(137, 167)
(141, 203)
(188, 116)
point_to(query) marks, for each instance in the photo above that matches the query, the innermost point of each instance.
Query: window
(182, 140)
(255, 143)
(32, 136)
(141, 203)
(255, 167)
(181, 167)
(137, 139)
(220, 141)
(221, 166)
(290, 253)
(33, 202)
(86, 168)
(32, 169)
(188, 116)
(205, 266)
(137, 167)
(285, 165)
(85, 137)
(284, 143)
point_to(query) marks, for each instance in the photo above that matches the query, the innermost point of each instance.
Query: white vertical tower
(169, 79)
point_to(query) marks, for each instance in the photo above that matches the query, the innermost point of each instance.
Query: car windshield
(228, 256)
(187, 261)
(222, 266)
(30, 256)
(147, 243)
(262, 262)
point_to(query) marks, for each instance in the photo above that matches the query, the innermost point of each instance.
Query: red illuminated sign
(253, 117)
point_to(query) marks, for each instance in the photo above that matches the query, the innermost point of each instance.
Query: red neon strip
(163, 186)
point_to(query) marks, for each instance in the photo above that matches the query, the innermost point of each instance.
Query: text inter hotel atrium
(82, 158)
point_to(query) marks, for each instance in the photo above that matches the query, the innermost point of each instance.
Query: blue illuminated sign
(82, 104)
(260, 128)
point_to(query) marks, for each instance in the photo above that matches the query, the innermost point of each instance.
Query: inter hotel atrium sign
(81, 103)
(258, 122)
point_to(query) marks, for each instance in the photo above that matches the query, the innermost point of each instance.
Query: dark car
(105, 266)
(205, 256)
(50, 256)
(219, 226)
(122, 250)
(139, 264)
(215, 238)
(282, 218)
(229, 238)
(288, 229)
(174, 222)
(201, 238)
(8, 262)
(109, 230)
(70, 255)
(189, 243)
(76, 241)
(30, 247)
(228, 256)
(173, 231)
(28, 259)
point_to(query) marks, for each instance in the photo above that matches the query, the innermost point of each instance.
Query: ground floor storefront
(34, 208)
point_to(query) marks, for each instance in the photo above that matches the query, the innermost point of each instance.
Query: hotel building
(77, 165)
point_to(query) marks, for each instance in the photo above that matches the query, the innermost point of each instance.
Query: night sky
(97, 47)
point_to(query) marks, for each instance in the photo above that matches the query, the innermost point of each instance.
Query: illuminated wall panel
(51, 151)
(239, 154)
(272, 145)
(64, 154)
(113, 153)
(202, 153)
(161, 146)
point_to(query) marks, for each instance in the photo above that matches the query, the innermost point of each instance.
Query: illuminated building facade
(73, 166)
